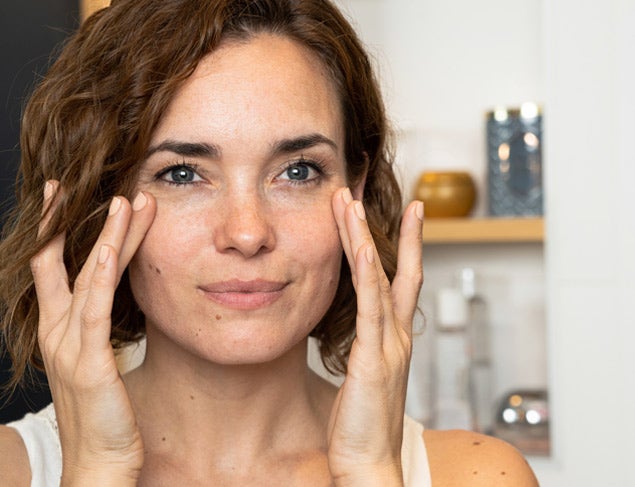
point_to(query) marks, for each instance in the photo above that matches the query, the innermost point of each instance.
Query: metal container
(522, 419)
(514, 160)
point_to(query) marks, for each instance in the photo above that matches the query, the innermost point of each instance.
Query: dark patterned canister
(514, 160)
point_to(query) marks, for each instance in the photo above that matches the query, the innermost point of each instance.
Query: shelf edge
(483, 230)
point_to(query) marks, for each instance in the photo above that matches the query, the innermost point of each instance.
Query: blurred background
(30, 30)
(513, 122)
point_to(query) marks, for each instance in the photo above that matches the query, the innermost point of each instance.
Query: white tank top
(41, 437)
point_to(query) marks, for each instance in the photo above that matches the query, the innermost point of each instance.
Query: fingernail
(419, 210)
(48, 190)
(104, 253)
(370, 254)
(114, 206)
(139, 202)
(359, 210)
(347, 196)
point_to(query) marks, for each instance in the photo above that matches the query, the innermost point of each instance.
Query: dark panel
(30, 30)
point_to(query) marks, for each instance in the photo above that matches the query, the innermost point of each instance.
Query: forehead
(268, 83)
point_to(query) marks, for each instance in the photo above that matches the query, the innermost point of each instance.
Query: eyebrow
(187, 149)
(302, 142)
(203, 149)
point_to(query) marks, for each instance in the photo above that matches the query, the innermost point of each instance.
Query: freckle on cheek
(219, 317)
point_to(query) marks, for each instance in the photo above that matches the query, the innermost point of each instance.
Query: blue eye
(301, 172)
(298, 172)
(179, 174)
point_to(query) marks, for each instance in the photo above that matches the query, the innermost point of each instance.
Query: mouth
(244, 295)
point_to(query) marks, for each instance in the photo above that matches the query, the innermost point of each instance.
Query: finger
(409, 277)
(97, 309)
(359, 235)
(372, 286)
(112, 235)
(48, 269)
(342, 198)
(143, 212)
(370, 308)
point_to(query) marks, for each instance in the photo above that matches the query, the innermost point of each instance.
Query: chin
(234, 345)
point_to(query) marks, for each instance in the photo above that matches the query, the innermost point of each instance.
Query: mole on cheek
(218, 317)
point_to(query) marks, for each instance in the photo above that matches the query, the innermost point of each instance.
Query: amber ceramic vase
(448, 194)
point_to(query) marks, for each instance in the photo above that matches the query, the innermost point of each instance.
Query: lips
(244, 295)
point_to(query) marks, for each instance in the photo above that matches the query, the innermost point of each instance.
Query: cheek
(312, 243)
(173, 240)
(177, 233)
(311, 228)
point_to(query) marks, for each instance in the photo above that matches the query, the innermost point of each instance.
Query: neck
(231, 413)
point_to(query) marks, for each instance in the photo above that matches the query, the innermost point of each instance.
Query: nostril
(246, 232)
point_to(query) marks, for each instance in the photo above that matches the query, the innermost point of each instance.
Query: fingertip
(144, 207)
(359, 210)
(347, 196)
(140, 201)
(48, 191)
(338, 205)
(419, 209)
(115, 206)
(340, 197)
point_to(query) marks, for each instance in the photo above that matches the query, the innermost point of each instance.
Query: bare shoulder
(464, 458)
(14, 461)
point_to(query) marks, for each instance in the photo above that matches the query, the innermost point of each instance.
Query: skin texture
(461, 458)
(242, 218)
(234, 244)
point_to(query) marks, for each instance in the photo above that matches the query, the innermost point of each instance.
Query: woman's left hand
(366, 424)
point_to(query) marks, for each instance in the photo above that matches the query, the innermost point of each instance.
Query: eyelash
(318, 166)
(173, 167)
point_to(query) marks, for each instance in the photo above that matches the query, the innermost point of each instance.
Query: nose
(244, 227)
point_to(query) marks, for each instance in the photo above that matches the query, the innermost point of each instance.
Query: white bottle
(479, 355)
(452, 365)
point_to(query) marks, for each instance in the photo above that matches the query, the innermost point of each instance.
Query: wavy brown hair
(89, 123)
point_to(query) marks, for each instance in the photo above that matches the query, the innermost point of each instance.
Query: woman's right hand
(101, 442)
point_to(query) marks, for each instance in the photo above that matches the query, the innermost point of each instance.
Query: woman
(237, 153)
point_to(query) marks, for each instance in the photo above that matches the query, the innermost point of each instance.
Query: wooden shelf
(483, 230)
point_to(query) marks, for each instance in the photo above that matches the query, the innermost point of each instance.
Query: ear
(358, 189)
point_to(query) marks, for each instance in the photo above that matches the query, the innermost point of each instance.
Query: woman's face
(243, 257)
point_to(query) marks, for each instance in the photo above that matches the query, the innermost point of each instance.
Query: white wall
(443, 64)
(590, 79)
